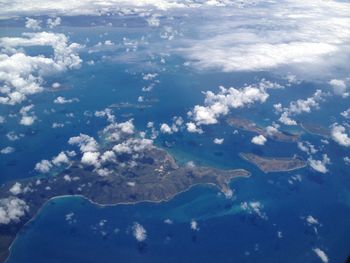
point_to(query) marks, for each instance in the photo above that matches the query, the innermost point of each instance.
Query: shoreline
(114, 204)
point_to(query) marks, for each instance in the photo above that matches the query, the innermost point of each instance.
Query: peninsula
(155, 177)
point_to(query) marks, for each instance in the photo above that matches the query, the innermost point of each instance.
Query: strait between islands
(155, 178)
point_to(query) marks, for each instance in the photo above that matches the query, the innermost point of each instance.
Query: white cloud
(339, 87)
(254, 207)
(311, 220)
(347, 160)
(7, 150)
(33, 23)
(53, 22)
(56, 125)
(108, 156)
(16, 189)
(218, 140)
(259, 140)
(63, 100)
(165, 128)
(295, 37)
(85, 142)
(153, 20)
(340, 135)
(320, 165)
(192, 127)
(91, 158)
(194, 225)
(28, 117)
(139, 232)
(12, 209)
(27, 120)
(44, 166)
(133, 145)
(60, 159)
(22, 75)
(321, 254)
(299, 106)
(307, 147)
(88, 7)
(346, 114)
(219, 104)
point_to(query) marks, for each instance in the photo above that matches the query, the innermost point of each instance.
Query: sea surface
(71, 229)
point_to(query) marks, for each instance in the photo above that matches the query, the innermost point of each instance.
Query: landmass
(268, 132)
(274, 164)
(315, 129)
(155, 177)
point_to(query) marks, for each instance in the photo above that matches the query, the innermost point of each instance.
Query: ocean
(71, 229)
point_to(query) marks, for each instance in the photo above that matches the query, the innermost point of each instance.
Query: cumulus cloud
(32, 23)
(133, 145)
(254, 208)
(60, 159)
(340, 135)
(27, 120)
(339, 87)
(44, 166)
(85, 142)
(23, 75)
(346, 160)
(194, 225)
(259, 140)
(165, 128)
(320, 165)
(346, 114)
(311, 220)
(218, 140)
(7, 150)
(219, 104)
(63, 100)
(28, 117)
(91, 158)
(321, 254)
(16, 189)
(192, 128)
(299, 106)
(12, 209)
(53, 22)
(307, 147)
(139, 232)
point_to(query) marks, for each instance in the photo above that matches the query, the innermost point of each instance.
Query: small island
(274, 164)
(155, 177)
(273, 134)
(315, 129)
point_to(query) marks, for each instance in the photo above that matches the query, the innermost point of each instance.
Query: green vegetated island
(155, 178)
(273, 164)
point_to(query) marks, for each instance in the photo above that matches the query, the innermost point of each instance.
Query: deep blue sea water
(226, 232)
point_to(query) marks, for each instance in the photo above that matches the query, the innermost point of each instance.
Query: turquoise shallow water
(226, 232)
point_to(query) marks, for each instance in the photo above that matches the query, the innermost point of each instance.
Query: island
(155, 177)
(270, 132)
(315, 129)
(274, 164)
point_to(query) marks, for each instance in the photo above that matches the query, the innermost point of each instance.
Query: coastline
(114, 204)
